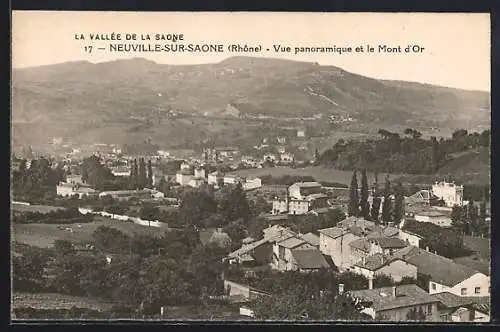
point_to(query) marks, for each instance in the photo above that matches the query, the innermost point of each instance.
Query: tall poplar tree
(387, 204)
(142, 174)
(353, 197)
(375, 209)
(363, 203)
(398, 204)
(150, 174)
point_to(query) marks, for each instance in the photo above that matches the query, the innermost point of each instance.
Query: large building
(450, 193)
(302, 198)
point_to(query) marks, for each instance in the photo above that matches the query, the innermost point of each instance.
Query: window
(433, 286)
(429, 309)
(477, 290)
(463, 291)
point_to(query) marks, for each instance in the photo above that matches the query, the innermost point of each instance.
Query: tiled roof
(361, 244)
(291, 243)
(309, 259)
(311, 238)
(441, 269)
(406, 295)
(333, 232)
(390, 242)
(453, 301)
(312, 197)
(376, 261)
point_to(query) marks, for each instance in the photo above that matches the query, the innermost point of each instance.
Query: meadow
(44, 235)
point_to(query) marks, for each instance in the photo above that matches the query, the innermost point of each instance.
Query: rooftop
(376, 261)
(454, 301)
(475, 263)
(333, 232)
(311, 238)
(307, 184)
(481, 246)
(291, 243)
(406, 295)
(441, 269)
(309, 259)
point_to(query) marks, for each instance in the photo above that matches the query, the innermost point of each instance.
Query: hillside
(81, 96)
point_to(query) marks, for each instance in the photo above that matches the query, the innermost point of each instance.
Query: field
(319, 173)
(35, 208)
(57, 301)
(43, 235)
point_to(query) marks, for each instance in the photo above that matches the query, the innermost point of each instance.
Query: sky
(456, 45)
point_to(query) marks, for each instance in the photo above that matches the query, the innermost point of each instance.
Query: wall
(477, 280)
(279, 206)
(411, 239)
(400, 314)
(298, 207)
(441, 221)
(338, 249)
(136, 220)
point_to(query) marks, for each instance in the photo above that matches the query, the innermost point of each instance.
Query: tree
(134, 175)
(233, 204)
(472, 216)
(383, 281)
(353, 209)
(387, 204)
(150, 175)
(143, 180)
(456, 216)
(364, 205)
(399, 204)
(375, 209)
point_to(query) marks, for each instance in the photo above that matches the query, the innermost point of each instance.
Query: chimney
(370, 282)
(341, 289)
(393, 291)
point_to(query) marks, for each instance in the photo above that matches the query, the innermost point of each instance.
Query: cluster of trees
(395, 154)
(62, 216)
(141, 176)
(470, 219)
(359, 206)
(445, 241)
(228, 208)
(100, 177)
(144, 273)
(36, 180)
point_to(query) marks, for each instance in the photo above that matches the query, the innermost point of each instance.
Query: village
(418, 282)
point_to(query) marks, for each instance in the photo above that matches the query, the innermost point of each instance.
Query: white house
(252, 183)
(446, 275)
(215, 177)
(269, 157)
(69, 190)
(300, 190)
(199, 173)
(286, 158)
(334, 242)
(196, 182)
(121, 171)
(183, 177)
(450, 193)
(409, 237)
(301, 132)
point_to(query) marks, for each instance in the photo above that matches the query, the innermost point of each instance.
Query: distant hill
(73, 96)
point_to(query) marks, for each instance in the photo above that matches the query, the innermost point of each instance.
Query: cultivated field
(57, 301)
(44, 235)
(319, 173)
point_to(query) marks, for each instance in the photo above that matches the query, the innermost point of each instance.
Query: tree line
(409, 154)
(36, 180)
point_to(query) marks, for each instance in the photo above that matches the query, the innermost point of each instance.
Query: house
(334, 242)
(364, 247)
(74, 178)
(199, 173)
(380, 264)
(121, 171)
(241, 293)
(270, 157)
(196, 182)
(410, 238)
(453, 308)
(439, 217)
(450, 193)
(301, 132)
(281, 139)
(183, 176)
(397, 303)
(217, 236)
(215, 178)
(283, 259)
(308, 259)
(70, 189)
(286, 158)
(300, 190)
(252, 183)
(445, 275)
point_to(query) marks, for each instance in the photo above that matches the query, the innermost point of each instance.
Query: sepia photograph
(250, 167)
